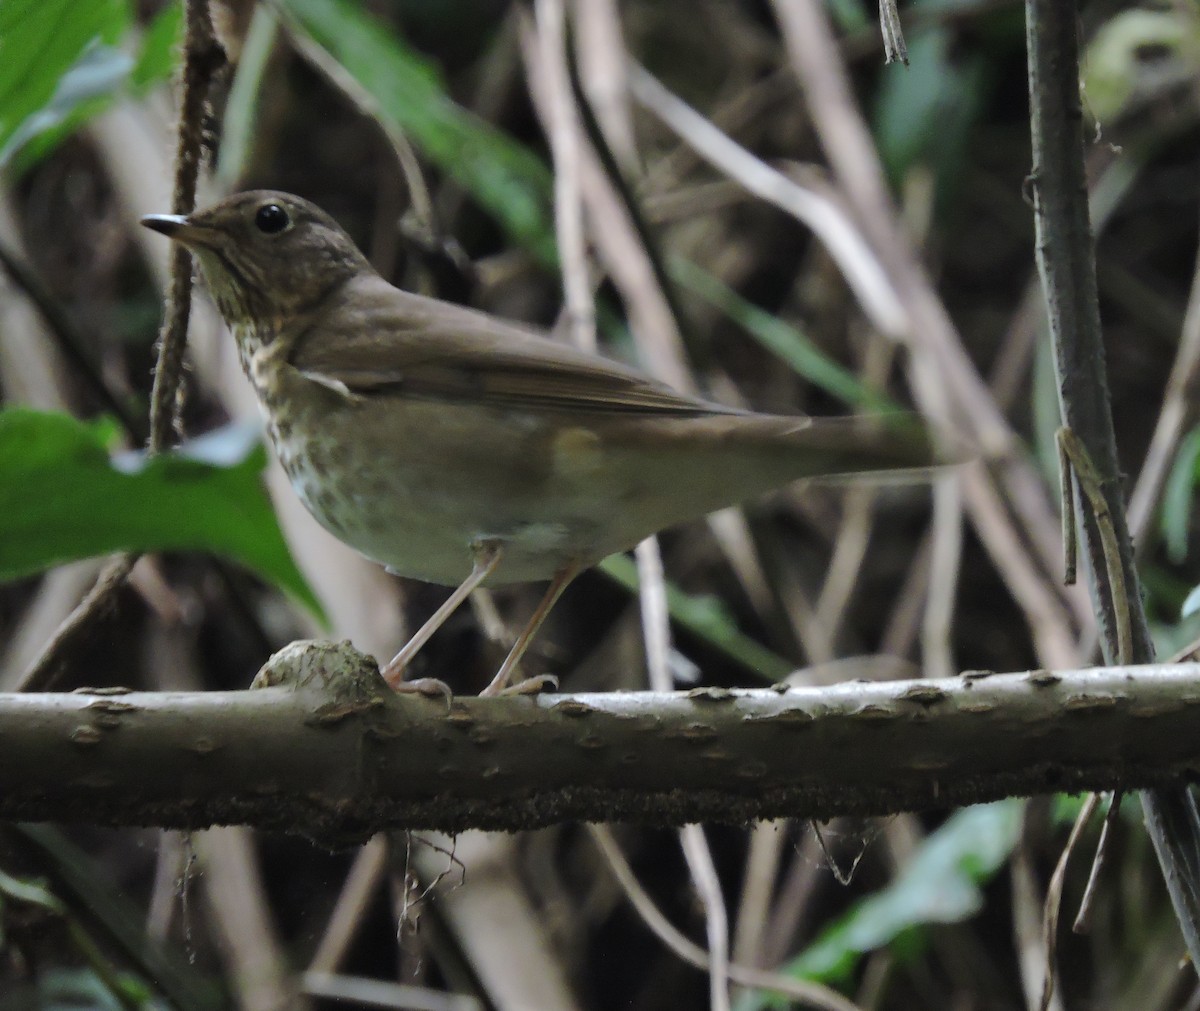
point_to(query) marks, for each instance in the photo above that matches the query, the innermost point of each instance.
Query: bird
(457, 448)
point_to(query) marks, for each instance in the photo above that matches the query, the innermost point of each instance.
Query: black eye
(271, 218)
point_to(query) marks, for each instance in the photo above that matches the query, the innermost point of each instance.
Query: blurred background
(759, 209)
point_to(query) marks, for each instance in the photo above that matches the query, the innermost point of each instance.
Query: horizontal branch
(321, 746)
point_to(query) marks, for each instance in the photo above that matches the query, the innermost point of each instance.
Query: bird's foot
(430, 688)
(530, 686)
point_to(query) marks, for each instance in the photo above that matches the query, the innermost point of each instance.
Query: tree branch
(324, 748)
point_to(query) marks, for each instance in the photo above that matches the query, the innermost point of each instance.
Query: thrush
(458, 448)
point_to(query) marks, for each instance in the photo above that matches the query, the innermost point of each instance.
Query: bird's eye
(271, 218)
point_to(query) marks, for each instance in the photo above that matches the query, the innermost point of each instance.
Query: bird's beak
(181, 229)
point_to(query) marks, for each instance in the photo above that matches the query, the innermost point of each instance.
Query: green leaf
(160, 44)
(1115, 67)
(924, 113)
(1178, 494)
(941, 884)
(504, 176)
(240, 130)
(40, 41)
(84, 90)
(63, 498)
(1191, 603)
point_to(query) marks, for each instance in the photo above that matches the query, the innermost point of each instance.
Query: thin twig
(364, 878)
(47, 668)
(203, 57)
(72, 343)
(894, 49)
(631, 252)
(1083, 919)
(600, 50)
(1007, 504)
(656, 630)
(1179, 412)
(1028, 906)
(562, 129)
(1088, 478)
(1054, 895)
(813, 994)
(347, 85)
(815, 209)
(716, 920)
(1067, 507)
(945, 566)
(758, 890)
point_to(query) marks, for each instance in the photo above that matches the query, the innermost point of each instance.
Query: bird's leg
(487, 557)
(531, 686)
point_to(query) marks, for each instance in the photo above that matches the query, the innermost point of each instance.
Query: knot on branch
(333, 669)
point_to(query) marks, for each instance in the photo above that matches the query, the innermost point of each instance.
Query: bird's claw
(430, 688)
(532, 686)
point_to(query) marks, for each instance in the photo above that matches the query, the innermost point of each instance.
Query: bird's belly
(417, 488)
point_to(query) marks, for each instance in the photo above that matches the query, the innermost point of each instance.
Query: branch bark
(322, 747)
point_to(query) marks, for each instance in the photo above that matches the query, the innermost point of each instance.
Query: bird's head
(266, 256)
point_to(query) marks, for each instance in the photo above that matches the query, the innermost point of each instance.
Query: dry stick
(635, 263)
(364, 991)
(807, 203)
(1008, 506)
(1028, 908)
(758, 887)
(1054, 896)
(857, 520)
(346, 84)
(829, 222)
(1179, 411)
(562, 129)
(98, 602)
(1077, 467)
(625, 241)
(656, 630)
(602, 61)
(703, 871)
(730, 115)
(1066, 260)
(1083, 920)
(894, 49)
(811, 994)
(363, 879)
(203, 57)
(69, 339)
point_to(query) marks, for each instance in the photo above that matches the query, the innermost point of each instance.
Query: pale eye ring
(271, 219)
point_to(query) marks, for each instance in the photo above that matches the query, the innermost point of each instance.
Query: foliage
(64, 497)
(61, 61)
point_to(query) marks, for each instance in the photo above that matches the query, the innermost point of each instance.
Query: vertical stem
(1066, 261)
(203, 56)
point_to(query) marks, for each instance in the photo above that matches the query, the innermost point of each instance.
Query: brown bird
(457, 448)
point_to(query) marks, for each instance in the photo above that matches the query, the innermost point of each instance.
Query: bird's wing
(375, 340)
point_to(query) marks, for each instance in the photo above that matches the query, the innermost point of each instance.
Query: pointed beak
(179, 228)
